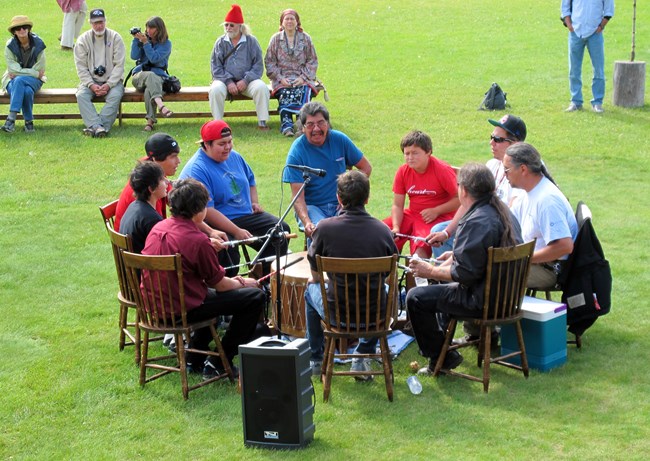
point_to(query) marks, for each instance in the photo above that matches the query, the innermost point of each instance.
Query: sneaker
(262, 126)
(452, 360)
(573, 107)
(361, 365)
(100, 132)
(211, 371)
(494, 340)
(316, 366)
(193, 368)
(29, 127)
(288, 132)
(66, 48)
(89, 132)
(598, 108)
(9, 126)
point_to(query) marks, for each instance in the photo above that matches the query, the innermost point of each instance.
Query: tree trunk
(629, 84)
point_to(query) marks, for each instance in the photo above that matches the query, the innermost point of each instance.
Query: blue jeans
(21, 90)
(316, 213)
(448, 245)
(595, 44)
(314, 312)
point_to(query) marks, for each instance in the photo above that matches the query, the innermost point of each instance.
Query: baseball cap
(213, 130)
(160, 145)
(513, 125)
(97, 15)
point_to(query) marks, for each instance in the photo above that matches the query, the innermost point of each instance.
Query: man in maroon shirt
(208, 292)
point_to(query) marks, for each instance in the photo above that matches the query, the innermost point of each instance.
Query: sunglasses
(499, 139)
(229, 24)
(15, 29)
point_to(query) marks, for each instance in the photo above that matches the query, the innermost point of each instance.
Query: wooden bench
(187, 94)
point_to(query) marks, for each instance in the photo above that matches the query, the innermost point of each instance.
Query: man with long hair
(487, 223)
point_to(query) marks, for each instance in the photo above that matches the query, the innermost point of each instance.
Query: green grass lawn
(66, 391)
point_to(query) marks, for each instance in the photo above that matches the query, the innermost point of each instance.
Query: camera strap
(106, 56)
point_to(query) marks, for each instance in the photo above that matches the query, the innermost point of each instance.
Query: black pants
(429, 311)
(244, 305)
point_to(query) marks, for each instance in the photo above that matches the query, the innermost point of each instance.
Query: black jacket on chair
(586, 281)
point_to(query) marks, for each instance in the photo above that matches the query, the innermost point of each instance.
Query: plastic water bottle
(414, 385)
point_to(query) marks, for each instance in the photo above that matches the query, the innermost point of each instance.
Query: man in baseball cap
(509, 130)
(162, 149)
(513, 125)
(99, 57)
(234, 205)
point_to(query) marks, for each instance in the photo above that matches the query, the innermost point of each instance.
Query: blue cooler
(544, 330)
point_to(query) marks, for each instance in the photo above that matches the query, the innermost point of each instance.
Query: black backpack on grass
(495, 99)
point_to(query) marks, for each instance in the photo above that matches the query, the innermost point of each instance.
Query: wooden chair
(159, 313)
(119, 243)
(108, 213)
(505, 286)
(357, 312)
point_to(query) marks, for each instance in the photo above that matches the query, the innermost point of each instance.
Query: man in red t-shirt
(432, 191)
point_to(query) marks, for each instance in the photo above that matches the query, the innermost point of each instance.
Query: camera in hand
(99, 71)
(135, 30)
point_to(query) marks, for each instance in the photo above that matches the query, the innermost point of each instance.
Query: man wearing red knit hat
(237, 67)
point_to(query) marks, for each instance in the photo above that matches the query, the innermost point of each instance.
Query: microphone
(306, 169)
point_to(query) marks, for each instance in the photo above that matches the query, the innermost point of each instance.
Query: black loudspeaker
(277, 393)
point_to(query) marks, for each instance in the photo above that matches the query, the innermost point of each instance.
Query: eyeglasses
(311, 125)
(229, 24)
(17, 28)
(499, 139)
(508, 170)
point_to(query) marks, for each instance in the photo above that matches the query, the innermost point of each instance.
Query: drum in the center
(293, 285)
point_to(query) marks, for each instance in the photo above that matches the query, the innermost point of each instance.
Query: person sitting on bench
(99, 57)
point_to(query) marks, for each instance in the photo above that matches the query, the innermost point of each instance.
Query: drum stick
(268, 259)
(232, 243)
(430, 260)
(261, 279)
(412, 237)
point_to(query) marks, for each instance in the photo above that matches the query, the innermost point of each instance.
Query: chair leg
(328, 361)
(522, 348)
(144, 359)
(222, 354)
(486, 340)
(180, 354)
(138, 342)
(122, 323)
(451, 330)
(388, 373)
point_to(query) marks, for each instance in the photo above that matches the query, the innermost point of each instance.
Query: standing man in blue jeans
(586, 20)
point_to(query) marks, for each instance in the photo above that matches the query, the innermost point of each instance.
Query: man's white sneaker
(573, 107)
(598, 108)
(316, 366)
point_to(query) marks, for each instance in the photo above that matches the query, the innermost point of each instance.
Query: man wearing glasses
(237, 67)
(323, 148)
(543, 212)
(507, 131)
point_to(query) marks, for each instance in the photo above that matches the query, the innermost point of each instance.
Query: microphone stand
(276, 238)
